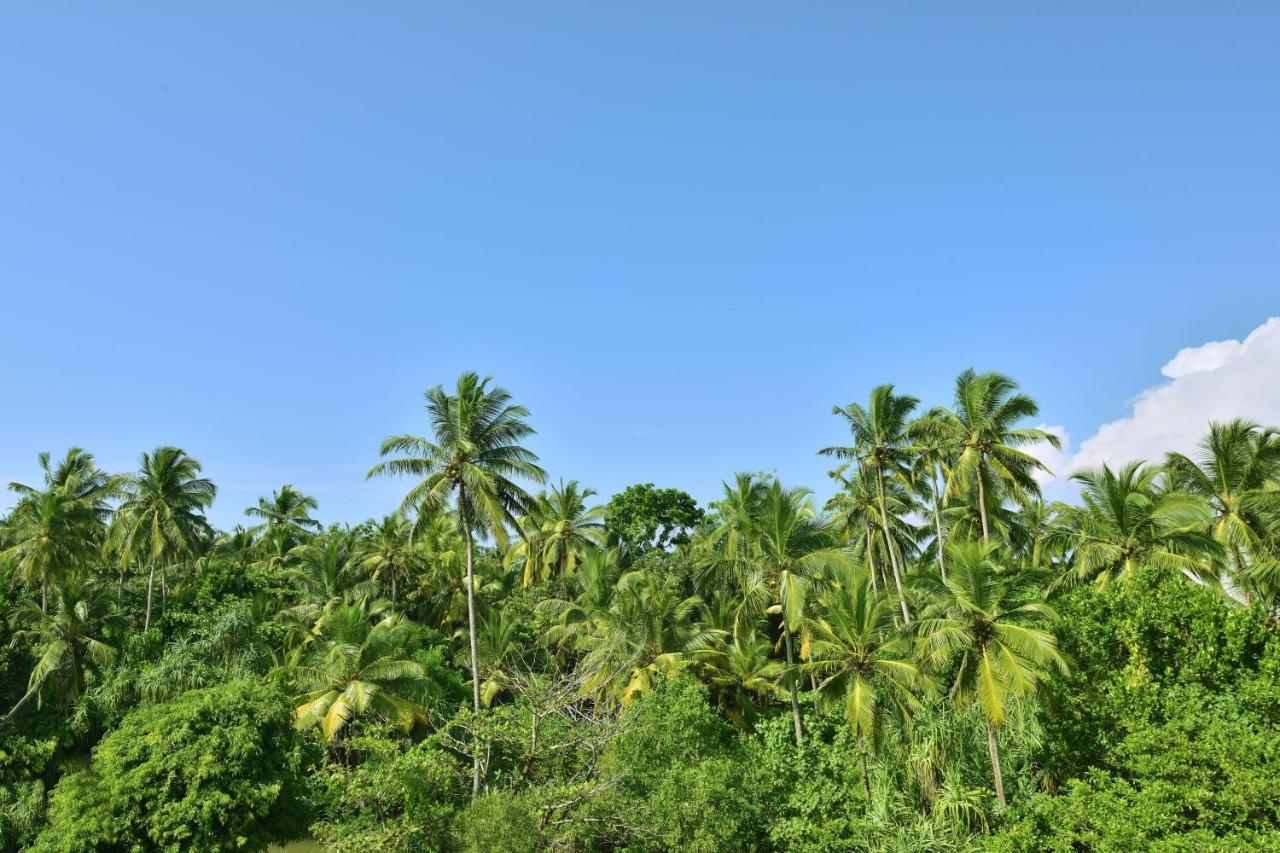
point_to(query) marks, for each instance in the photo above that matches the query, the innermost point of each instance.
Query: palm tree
(70, 637)
(880, 442)
(389, 550)
(357, 665)
(1127, 521)
(559, 529)
(649, 627)
(161, 519)
(790, 549)
(933, 457)
(472, 458)
(54, 529)
(863, 659)
(981, 431)
(1236, 472)
(287, 508)
(989, 627)
(856, 513)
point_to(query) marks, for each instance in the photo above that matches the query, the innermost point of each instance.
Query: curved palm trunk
(151, 583)
(937, 520)
(871, 560)
(982, 502)
(475, 668)
(795, 699)
(26, 697)
(888, 544)
(993, 748)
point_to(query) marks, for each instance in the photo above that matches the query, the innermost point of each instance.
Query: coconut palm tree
(855, 512)
(358, 665)
(791, 548)
(933, 456)
(1127, 521)
(161, 519)
(558, 529)
(987, 444)
(388, 551)
(1235, 471)
(473, 460)
(992, 629)
(69, 638)
(863, 660)
(287, 508)
(880, 442)
(53, 529)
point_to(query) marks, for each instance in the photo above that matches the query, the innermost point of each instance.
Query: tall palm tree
(559, 528)
(1236, 471)
(864, 661)
(161, 519)
(1127, 521)
(287, 508)
(792, 548)
(981, 429)
(933, 455)
(880, 442)
(856, 513)
(991, 628)
(69, 636)
(389, 551)
(358, 665)
(473, 459)
(53, 529)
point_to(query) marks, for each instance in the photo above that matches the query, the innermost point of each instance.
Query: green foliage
(393, 800)
(216, 769)
(683, 782)
(1168, 734)
(641, 518)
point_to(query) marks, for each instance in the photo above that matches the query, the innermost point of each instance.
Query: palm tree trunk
(993, 747)
(151, 582)
(795, 699)
(888, 544)
(937, 520)
(393, 587)
(475, 668)
(26, 697)
(44, 595)
(982, 503)
(120, 587)
(866, 779)
(871, 561)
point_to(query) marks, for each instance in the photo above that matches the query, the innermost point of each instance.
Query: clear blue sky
(678, 232)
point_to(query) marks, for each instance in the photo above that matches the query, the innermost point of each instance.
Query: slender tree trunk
(120, 587)
(982, 503)
(993, 747)
(871, 560)
(795, 699)
(888, 544)
(151, 582)
(393, 587)
(475, 667)
(44, 595)
(26, 697)
(866, 779)
(937, 521)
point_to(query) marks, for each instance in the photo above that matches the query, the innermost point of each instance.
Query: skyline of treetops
(935, 657)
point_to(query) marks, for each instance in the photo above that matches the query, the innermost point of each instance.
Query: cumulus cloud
(1215, 381)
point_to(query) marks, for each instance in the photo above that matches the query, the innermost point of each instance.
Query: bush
(215, 769)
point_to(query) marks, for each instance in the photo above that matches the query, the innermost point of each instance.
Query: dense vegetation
(933, 659)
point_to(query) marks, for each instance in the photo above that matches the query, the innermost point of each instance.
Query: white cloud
(1215, 381)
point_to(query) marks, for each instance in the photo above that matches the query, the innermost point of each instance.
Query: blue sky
(679, 234)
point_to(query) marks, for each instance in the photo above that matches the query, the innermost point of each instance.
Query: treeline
(933, 659)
